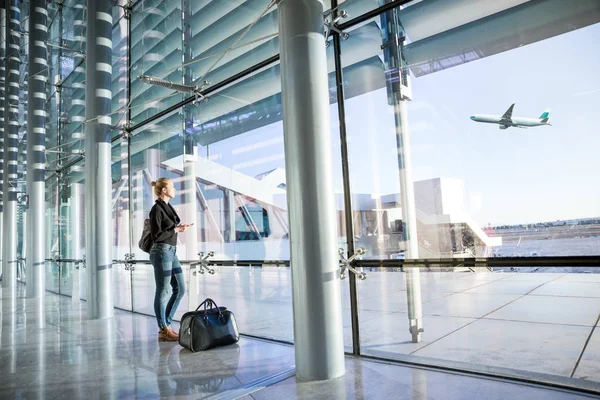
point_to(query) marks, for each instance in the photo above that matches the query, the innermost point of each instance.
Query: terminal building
(343, 204)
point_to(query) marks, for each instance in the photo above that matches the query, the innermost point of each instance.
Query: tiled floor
(51, 350)
(537, 322)
(71, 357)
(370, 380)
(553, 349)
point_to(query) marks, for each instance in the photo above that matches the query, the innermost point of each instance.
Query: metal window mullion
(59, 131)
(339, 81)
(128, 138)
(372, 14)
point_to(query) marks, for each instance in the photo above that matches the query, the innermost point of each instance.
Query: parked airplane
(507, 120)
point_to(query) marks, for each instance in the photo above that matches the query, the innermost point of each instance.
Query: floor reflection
(178, 373)
(70, 356)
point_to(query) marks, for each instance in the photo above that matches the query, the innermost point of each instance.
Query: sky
(516, 175)
(511, 176)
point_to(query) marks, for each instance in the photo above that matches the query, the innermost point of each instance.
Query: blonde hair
(159, 185)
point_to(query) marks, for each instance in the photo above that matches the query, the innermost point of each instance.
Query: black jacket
(163, 220)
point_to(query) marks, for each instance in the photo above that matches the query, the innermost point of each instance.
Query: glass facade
(452, 167)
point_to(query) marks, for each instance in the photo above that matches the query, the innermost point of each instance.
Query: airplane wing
(508, 114)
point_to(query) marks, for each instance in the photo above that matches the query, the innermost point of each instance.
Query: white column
(2, 111)
(36, 146)
(121, 209)
(11, 128)
(75, 243)
(318, 335)
(413, 275)
(230, 217)
(98, 216)
(152, 159)
(399, 93)
(190, 213)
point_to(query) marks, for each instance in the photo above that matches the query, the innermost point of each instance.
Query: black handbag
(146, 242)
(210, 327)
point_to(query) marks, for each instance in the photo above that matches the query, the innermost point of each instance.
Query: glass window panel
(67, 43)
(120, 69)
(52, 108)
(227, 38)
(120, 199)
(70, 241)
(238, 137)
(481, 187)
(151, 149)
(52, 232)
(71, 115)
(156, 50)
(356, 8)
(374, 152)
(122, 275)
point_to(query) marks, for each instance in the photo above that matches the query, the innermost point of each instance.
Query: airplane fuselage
(506, 120)
(495, 119)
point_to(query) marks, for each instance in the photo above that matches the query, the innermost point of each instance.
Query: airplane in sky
(507, 120)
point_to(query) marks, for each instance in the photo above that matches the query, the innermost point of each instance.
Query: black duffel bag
(210, 327)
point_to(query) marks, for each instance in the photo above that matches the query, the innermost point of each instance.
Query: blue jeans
(167, 271)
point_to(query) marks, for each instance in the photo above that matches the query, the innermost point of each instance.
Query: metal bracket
(64, 120)
(332, 25)
(198, 97)
(415, 329)
(126, 130)
(196, 90)
(202, 264)
(21, 267)
(54, 257)
(64, 45)
(345, 264)
(129, 265)
(82, 262)
(127, 8)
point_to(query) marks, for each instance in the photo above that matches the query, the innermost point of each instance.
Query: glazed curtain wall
(411, 87)
(237, 194)
(226, 155)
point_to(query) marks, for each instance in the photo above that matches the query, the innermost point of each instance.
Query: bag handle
(209, 303)
(205, 303)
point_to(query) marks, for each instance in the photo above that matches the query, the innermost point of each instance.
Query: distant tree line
(590, 221)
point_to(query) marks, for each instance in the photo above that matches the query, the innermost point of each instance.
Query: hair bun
(153, 183)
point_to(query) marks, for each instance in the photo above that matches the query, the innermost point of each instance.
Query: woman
(164, 226)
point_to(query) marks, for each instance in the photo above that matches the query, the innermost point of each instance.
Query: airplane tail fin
(545, 115)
